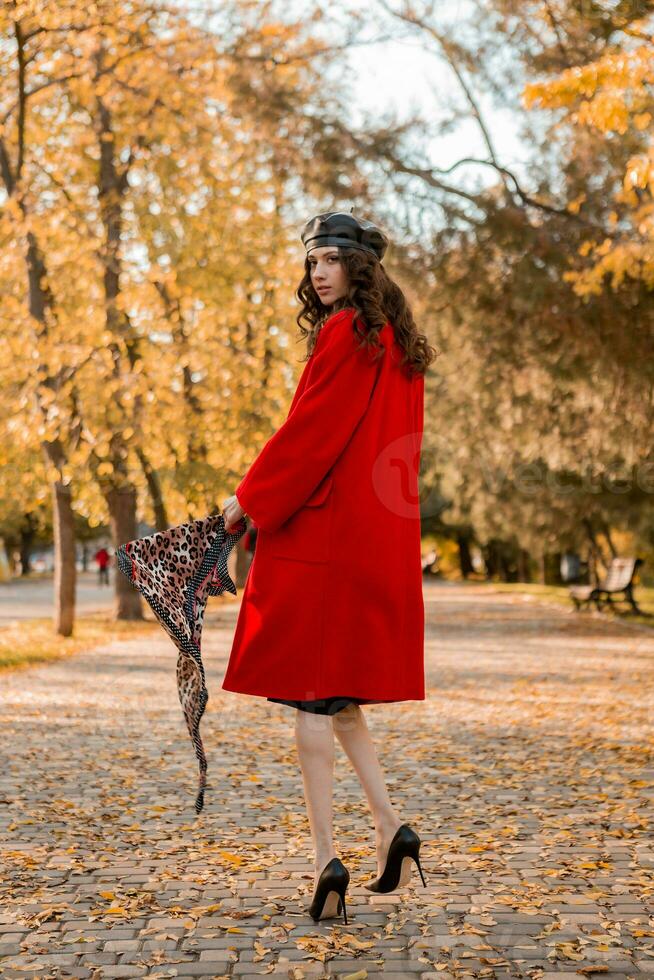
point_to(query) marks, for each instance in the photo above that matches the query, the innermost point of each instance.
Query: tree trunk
(606, 531)
(154, 487)
(27, 535)
(524, 574)
(551, 568)
(494, 560)
(506, 570)
(65, 573)
(465, 559)
(594, 552)
(122, 518)
(193, 414)
(43, 311)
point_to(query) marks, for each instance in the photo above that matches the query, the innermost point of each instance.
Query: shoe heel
(414, 852)
(344, 908)
(417, 860)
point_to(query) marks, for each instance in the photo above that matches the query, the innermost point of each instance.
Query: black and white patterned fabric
(176, 571)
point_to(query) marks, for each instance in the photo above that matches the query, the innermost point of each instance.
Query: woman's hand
(232, 510)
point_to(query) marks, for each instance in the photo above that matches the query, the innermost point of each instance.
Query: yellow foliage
(574, 205)
(184, 351)
(611, 95)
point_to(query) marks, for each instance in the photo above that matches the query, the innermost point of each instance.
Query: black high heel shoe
(403, 849)
(329, 897)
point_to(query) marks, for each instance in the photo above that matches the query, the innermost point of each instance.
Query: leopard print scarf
(176, 571)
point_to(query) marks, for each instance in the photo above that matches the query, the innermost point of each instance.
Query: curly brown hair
(376, 298)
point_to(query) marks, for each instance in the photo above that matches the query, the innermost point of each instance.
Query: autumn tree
(149, 156)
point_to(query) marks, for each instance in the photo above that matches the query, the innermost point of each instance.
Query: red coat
(102, 557)
(332, 603)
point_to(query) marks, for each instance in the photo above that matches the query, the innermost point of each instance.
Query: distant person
(102, 557)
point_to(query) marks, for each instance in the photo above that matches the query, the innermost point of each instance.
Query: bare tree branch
(449, 49)
(557, 33)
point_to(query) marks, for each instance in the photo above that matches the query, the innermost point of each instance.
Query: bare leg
(314, 737)
(352, 731)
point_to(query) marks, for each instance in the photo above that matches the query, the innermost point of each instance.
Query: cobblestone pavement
(527, 773)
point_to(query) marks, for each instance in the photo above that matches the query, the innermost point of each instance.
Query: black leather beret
(340, 228)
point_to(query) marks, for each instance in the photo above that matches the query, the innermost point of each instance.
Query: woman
(332, 613)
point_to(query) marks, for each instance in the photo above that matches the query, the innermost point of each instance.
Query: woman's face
(328, 275)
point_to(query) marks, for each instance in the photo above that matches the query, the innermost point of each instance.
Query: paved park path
(31, 598)
(527, 772)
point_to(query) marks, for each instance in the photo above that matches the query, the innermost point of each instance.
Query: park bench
(619, 578)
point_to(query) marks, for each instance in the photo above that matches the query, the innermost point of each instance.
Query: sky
(402, 74)
(405, 74)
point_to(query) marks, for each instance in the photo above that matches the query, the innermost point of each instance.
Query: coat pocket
(305, 535)
(320, 494)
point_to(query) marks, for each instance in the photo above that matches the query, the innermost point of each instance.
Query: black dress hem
(322, 706)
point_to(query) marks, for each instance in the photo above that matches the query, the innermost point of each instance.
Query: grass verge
(34, 641)
(559, 594)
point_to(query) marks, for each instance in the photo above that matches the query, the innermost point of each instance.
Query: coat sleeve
(320, 424)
